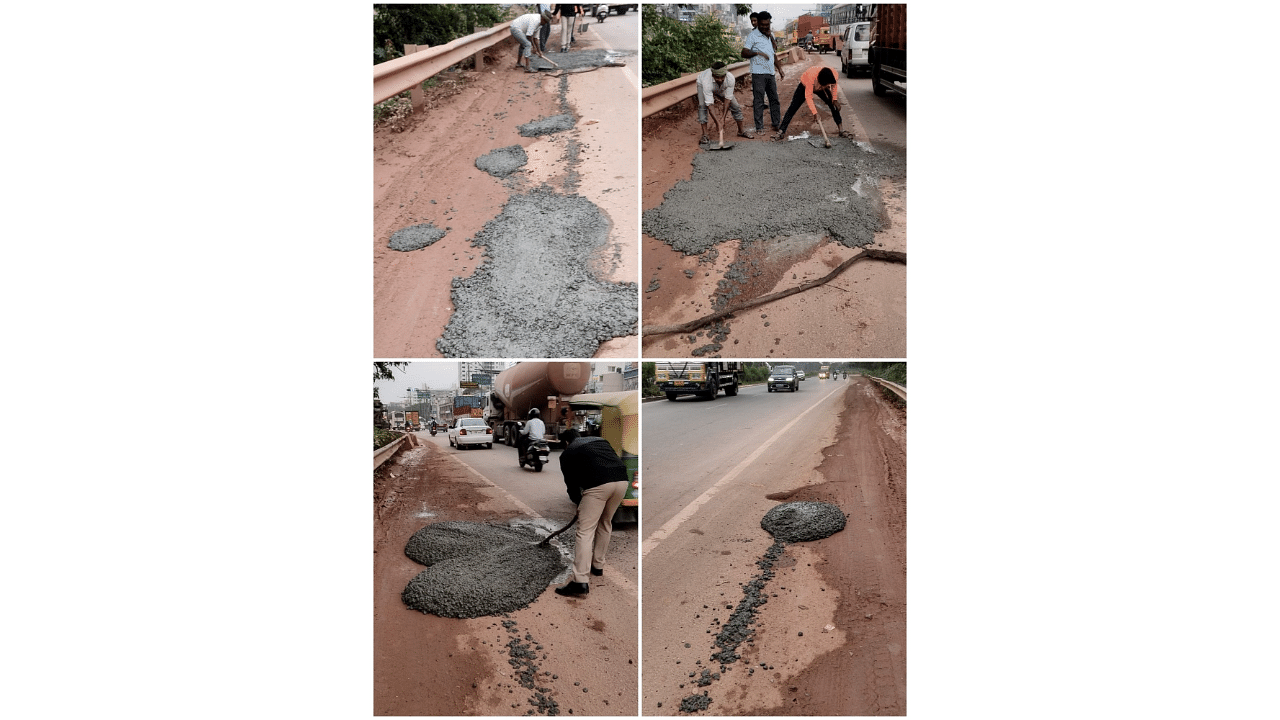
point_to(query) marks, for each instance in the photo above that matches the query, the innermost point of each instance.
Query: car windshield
(470, 421)
(783, 369)
(860, 32)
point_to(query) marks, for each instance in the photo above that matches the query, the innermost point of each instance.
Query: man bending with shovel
(716, 84)
(596, 479)
(815, 82)
(525, 30)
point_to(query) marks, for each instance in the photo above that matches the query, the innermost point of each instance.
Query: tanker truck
(544, 385)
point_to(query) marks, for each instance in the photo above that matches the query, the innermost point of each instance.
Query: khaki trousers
(595, 524)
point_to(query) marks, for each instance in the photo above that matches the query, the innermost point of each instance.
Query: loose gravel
(535, 295)
(765, 190)
(476, 569)
(415, 237)
(503, 161)
(547, 125)
(802, 521)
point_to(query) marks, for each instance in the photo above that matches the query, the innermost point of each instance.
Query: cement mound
(503, 161)
(476, 569)
(444, 540)
(547, 125)
(580, 60)
(765, 190)
(804, 520)
(535, 296)
(415, 237)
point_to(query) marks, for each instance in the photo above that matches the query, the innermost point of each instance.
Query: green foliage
(382, 438)
(672, 48)
(648, 380)
(756, 373)
(395, 26)
(386, 370)
(892, 371)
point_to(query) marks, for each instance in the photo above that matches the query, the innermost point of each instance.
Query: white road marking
(666, 530)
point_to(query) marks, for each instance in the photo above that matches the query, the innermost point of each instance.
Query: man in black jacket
(596, 479)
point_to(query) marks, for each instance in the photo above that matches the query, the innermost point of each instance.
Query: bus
(824, 372)
(844, 15)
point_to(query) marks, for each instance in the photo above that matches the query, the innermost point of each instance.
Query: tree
(672, 48)
(395, 26)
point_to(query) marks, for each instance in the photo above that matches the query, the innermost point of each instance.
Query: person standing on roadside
(758, 47)
(596, 480)
(568, 16)
(544, 34)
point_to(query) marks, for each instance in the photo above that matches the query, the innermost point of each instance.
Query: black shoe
(573, 588)
(597, 571)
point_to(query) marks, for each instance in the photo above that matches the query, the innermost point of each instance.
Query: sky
(437, 374)
(783, 12)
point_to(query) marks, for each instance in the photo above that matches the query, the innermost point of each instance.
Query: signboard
(471, 385)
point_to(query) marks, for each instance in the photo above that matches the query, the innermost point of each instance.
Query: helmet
(533, 413)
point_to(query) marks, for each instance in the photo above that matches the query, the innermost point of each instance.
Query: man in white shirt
(533, 429)
(717, 82)
(758, 47)
(524, 29)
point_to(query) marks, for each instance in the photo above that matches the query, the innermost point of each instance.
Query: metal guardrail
(404, 73)
(385, 452)
(895, 387)
(664, 95)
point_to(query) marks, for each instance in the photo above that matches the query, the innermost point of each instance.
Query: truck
(806, 24)
(887, 53)
(822, 40)
(824, 371)
(397, 420)
(411, 421)
(527, 385)
(704, 379)
(468, 406)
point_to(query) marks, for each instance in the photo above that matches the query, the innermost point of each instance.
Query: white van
(853, 54)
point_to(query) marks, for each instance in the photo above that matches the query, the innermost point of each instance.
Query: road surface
(427, 174)
(861, 313)
(427, 665)
(712, 469)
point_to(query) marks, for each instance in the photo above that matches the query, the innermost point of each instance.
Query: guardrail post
(478, 59)
(415, 93)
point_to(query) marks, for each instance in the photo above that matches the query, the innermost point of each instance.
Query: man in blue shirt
(758, 47)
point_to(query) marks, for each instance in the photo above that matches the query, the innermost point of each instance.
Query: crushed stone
(767, 190)
(415, 237)
(535, 295)
(547, 125)
(802, 521)
(475, 569)
(503, 161)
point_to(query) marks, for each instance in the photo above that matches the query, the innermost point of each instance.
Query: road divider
(404, 73)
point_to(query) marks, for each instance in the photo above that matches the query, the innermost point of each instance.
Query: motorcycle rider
(533, 429)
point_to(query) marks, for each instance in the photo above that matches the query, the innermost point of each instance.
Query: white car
(800, 374)
(853, 55)
(470, 431)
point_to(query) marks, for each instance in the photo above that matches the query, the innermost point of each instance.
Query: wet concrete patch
(535, 295)
(503, 161)
(415, 237)
(803, 520)
(476, 569)
(580, 60)
(547, 125)
(766, 190)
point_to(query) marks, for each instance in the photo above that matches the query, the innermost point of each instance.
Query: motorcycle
(535, 454)
(602, 12)
(433, 429)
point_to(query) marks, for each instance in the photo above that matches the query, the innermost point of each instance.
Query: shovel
(724, 116)
(544, 57)
(825, 140)
(547, 539)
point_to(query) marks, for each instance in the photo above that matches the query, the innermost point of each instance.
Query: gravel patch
(503, 161)
(547, 125)
(476, 569)
(766, 190)
(415, 237)
(535, 295)
(802, 521)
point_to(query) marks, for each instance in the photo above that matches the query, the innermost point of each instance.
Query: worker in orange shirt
(814, 82)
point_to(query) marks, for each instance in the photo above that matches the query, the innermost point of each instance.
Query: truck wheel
(671, 396)
(731, 390)
(875, 81)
